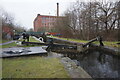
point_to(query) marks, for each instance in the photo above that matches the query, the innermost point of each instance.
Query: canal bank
(95, 64)
(73, 69)
(33, 67)
(98, 61)
(22, 64)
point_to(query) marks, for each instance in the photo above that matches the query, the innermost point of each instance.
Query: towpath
(7, 42)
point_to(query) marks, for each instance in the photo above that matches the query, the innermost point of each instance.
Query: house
(7, 32)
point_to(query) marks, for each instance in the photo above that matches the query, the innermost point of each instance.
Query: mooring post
(100, 41)
(79, 48)
(50, 45)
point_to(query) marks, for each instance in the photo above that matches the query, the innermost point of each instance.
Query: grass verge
(31, 39)
(3, 41)
(9, 45)
(109, 43)
(0, 40)
(69, 39)
(33, 67)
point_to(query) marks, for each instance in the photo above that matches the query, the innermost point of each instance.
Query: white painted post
(79, 48)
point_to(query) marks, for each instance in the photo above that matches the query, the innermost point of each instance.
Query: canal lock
(97, 63)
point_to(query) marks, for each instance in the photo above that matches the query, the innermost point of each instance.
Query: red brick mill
(46, 22)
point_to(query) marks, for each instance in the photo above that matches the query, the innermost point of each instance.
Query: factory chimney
(57, 9)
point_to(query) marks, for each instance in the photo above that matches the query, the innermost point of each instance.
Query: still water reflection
(98, 64)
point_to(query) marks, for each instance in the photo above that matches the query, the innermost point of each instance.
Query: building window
(43, 18)
(43, 21)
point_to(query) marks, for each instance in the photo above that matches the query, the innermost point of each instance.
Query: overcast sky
(25, 11)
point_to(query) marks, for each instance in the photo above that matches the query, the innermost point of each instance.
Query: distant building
(45, 22)
(7, 32)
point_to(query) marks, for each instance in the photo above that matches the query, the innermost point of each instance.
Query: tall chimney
(57, 9)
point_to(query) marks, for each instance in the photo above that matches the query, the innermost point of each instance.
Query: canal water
(98, 64)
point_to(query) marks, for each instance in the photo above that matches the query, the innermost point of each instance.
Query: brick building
(7, 30)
(46, 22)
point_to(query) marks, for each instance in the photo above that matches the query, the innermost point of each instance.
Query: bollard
(80, 48)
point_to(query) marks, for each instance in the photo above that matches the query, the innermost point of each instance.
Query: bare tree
(62, 26)
(7, 20)
(88, 20)
(118, 14)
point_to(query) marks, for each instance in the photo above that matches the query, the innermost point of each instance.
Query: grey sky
(25, 11)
